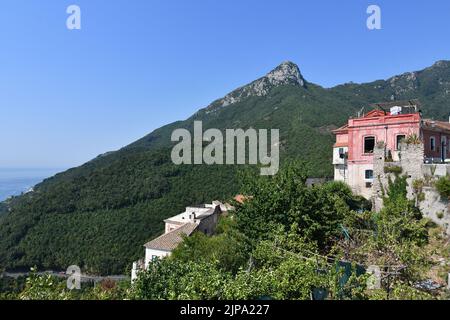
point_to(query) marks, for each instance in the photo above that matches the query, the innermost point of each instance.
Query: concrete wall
(357, 179)
(337, 155)
(208, 225)
(341, 173)
(438, 170)
(150, 253)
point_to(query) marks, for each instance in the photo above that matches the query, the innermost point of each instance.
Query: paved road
(84, 277)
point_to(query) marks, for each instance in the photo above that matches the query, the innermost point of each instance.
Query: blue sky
(67, 96)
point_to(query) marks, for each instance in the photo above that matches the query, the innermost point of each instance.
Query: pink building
(390, 123)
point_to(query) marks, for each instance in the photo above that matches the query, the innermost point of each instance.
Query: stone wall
(435, 208)
(379, 177)
(411, 163)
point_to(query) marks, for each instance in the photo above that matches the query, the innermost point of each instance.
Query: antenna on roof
(360, 112)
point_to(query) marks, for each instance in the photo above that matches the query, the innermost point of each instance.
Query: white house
(201, 218)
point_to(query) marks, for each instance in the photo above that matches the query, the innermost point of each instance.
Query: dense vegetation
(295, 254)
(443, 186)
(98, 215)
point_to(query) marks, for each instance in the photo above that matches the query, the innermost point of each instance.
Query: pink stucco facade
(357, 138)
(382, 127)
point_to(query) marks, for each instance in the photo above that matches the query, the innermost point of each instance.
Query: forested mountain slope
(98, 215)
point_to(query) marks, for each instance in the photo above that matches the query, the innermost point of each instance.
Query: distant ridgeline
(98, 215)
(3, 208)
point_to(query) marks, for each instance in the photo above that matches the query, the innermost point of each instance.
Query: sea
(14, 182)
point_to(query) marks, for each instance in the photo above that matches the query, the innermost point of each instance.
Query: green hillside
(98, 215)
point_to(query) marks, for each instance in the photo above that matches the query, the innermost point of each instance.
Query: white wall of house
(134, 271)
(357, 179)
(340, 166)
(151, 254)
(337, 158)
(340, 172)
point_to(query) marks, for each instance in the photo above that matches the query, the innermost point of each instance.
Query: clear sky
(69, 95)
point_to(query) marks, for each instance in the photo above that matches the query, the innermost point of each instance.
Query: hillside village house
(203, 218)
(394, 139)
(389, 124)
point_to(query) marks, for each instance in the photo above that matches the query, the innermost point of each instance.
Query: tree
(285, 199)
(226, 248)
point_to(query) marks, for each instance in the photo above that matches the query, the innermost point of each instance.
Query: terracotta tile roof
(375, 113)
(439, 125)
(240, 198)
(171, 240)
(340, 145)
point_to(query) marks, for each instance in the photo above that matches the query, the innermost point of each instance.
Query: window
(369, 144)
(369, 175)
(433, 144)
(154, 258)
(400, 139)
(341, 153)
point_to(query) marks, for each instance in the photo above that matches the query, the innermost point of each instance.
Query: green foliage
(227, 248)
(286, 261)
(99, 218)
(47, 287)
(400, 219)
(44, 287)
(98, 215)
(285, 267)
(105, 290)
(402, 291)
(394, 238)
(3, 208)
(443, 187)
(412, 139)
(285, 199)
(10, 287)
(393, 169)
(169, 279)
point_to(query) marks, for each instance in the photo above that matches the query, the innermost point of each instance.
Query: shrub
(393, 169)
(412, 139)
(443, 187)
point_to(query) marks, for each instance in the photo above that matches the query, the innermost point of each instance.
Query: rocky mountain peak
(441, 64)
(287, 73)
